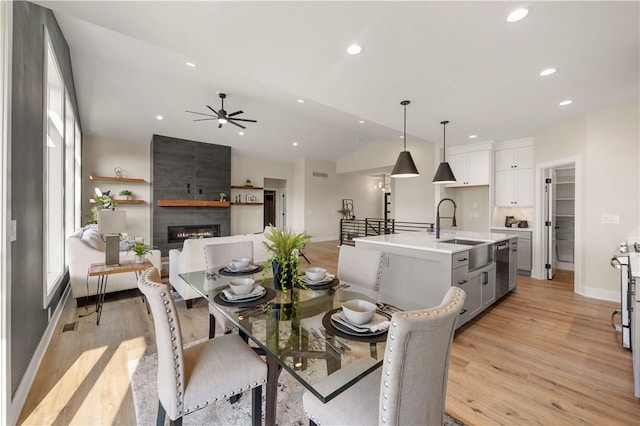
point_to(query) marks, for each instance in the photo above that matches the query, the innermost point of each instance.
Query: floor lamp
(112, 223)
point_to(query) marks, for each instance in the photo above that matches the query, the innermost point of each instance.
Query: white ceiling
(457, 61)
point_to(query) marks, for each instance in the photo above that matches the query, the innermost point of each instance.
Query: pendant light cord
(404, 136)
(444, 139)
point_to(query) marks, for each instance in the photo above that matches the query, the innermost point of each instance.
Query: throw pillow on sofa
(93, 239)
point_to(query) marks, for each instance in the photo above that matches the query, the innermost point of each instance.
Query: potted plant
(140, 249)
(345, 212)
(284, 247)
(128, 195)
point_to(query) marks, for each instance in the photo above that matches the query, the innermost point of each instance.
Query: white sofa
(85, 247)
(191, 258)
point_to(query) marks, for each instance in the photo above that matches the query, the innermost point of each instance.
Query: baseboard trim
(20, 396)
(597, 293)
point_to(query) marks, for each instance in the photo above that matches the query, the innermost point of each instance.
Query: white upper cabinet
(514, 174)
(514, 158)
(471, 168)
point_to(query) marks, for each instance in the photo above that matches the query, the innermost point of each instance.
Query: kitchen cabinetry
(481, 291)
(460, 278)
(514, 158)
(514, 174)
(524, 249)
(514, 188)
(470, 168)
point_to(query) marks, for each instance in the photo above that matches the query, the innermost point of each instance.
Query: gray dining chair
(208, 372)
(411, 386)
(362, 269)
(217, 256)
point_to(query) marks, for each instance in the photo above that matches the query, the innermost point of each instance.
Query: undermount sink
(465, 242)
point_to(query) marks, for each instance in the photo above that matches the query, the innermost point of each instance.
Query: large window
(62, 173)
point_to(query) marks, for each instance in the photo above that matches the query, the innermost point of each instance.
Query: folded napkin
(327, 279)
(377, 323)
(258, 290)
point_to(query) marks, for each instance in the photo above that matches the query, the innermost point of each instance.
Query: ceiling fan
(222, 116)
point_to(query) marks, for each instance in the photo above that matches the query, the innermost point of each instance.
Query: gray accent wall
(28, 318)
(182, 169)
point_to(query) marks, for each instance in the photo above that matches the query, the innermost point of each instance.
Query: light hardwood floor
(542, 355)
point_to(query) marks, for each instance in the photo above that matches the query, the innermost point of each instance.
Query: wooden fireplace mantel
(192, 203)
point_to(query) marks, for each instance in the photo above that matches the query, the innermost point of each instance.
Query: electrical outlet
(611, 219)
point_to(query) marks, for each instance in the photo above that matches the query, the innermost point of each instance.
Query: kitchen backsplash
(520, 213)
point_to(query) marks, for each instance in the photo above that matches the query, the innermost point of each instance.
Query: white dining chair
(217, 256)
(411, 386)
(362, 269)
(208, 372)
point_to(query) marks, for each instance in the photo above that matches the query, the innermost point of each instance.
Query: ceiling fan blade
(205, 119)
(201, 113)
(235, 124)
(219, 125)
(244, 119)
(214, 111)
(235, 113)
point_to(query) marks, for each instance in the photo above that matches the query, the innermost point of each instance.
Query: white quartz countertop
(427, 242)
(507, 230)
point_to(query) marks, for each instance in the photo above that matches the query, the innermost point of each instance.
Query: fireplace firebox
(177, 234)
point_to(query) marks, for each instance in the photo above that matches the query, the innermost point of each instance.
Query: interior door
(549, 204)
(269, 207)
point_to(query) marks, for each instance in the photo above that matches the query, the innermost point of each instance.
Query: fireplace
(177, 234)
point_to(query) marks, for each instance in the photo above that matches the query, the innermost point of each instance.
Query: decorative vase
(139, 259)
(281, 279)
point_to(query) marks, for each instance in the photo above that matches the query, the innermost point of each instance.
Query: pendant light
(405, 167)
(444, 174)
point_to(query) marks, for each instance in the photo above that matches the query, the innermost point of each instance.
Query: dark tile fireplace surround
(187, 170)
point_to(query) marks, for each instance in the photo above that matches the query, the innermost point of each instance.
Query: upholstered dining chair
(362, 268)
(190, 379)
(217, 256)
(411, 386)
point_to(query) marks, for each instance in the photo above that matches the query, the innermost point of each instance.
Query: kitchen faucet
(453, 222)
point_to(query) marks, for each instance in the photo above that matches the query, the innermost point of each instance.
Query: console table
(103, 271)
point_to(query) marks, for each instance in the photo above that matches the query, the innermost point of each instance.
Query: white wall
(607, 142)
(412, 198)
(249, 219)
(99, 158)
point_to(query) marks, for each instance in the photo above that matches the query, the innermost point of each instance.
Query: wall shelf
(192, 203)
(246, 187)
(117, 179)
(246, 204)
(117, 201)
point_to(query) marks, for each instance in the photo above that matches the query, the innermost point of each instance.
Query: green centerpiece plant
(140, 249)
(284, 246)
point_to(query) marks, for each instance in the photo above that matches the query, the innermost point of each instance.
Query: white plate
(340, 322)
(245, 269)
(327, 279)
(240, 299)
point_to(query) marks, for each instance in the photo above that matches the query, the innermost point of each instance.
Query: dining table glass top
(289, 325)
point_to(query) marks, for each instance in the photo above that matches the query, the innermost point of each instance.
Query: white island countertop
(427, 242)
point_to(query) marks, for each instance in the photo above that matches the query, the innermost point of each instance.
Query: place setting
(243, 293)
(317, 278)
(241, 266)
(358, 320)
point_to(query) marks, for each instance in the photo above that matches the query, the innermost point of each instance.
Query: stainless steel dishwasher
(506, 255)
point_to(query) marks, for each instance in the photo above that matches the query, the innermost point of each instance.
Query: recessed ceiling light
(473, 136)
(300, 101)
(190, 64)
(295, 144)
(547, 72)
(354, 49)
(517, 15)
(564, 103)
(361, 121)
(159, 117)
(241, 133)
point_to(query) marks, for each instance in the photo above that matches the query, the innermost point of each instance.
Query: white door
(550, 225)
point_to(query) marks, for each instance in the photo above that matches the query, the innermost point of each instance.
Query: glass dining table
(294, 330)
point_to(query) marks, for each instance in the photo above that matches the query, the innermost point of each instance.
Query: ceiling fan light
(444, 174)
(404, 167)
(222, 120)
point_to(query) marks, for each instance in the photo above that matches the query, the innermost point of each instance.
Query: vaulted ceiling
(456, 61)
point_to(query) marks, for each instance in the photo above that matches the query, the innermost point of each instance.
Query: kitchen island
(419, 269)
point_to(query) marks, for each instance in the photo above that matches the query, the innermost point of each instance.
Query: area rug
(289, 413)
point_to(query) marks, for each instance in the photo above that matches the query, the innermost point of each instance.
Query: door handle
(485, 278)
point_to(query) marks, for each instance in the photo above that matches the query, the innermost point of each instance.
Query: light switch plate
(14, 230)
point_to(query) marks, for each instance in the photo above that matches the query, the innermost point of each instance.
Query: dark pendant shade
(444, 174)
(405, 167)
